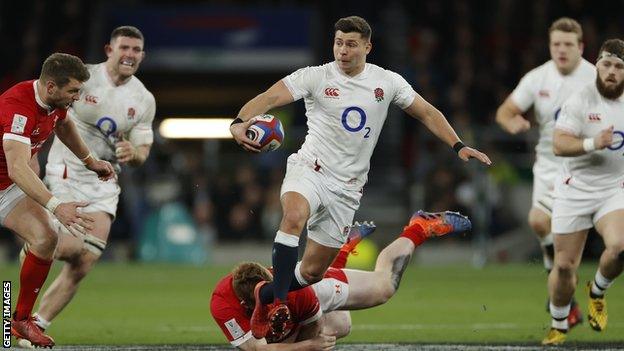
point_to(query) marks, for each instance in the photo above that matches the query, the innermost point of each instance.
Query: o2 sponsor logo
(106, 125)
(618, 140)
(354, 110)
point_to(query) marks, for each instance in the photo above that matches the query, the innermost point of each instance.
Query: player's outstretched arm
(435, 121)
(67, 132)
(18, 157)
(566, 144)
(276, 96)
(509, 117)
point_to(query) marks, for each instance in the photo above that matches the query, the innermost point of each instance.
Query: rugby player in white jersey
(589, 190)
(114, 116)
(346, 101)
(546, 88)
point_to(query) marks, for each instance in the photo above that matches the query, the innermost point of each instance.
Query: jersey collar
(359, 76)
(38, 98)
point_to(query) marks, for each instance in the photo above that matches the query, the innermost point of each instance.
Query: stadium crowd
(466, 69)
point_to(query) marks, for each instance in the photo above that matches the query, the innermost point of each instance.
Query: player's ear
(108, 49)
(369, 46)
(50, 87)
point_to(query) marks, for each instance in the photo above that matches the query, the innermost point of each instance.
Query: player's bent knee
(540, 225)
(45, 241)
(293, 221)
(566, 268)
(311, 276)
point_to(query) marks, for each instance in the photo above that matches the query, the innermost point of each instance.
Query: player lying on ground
(320, 311)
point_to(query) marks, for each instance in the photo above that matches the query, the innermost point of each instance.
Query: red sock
(415, 233)
(32, 276)
(340, 261)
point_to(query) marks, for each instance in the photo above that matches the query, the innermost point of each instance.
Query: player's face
(610, 79)
(565, 50)
(125, 54)
(63, 97)
(350, 51)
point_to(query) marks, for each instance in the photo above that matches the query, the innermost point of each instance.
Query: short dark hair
(354, 24)
(60, 68)
(126, 31)
(568, 25)
(613, 46)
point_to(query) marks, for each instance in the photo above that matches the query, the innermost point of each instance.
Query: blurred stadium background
(205, 202)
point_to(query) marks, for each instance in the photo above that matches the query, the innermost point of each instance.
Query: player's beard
(610, 93)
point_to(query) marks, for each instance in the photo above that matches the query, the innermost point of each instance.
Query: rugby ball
(268, 131)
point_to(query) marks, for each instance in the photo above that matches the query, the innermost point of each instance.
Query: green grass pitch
(168, 304)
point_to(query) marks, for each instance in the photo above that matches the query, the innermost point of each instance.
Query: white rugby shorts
(101, 196)
(332, 207)
(573, 213)
(333, 290)
(9, 198)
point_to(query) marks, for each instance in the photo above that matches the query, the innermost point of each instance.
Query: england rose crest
(379, 94)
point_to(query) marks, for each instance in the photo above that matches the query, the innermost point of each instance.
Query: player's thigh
(366, 289)
(29, 220)
(301, 187)
(611, 228)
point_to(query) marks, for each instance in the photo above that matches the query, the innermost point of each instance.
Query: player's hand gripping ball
(267, 131)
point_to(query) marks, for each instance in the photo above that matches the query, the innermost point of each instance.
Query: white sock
(289, 240)
(600, 284)
(299, 276)
(559, 316)
(41, 322)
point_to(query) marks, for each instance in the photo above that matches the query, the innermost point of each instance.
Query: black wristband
(236, 120)
(458, 146)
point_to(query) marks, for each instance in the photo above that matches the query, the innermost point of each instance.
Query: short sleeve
(524, 94)
(571, 116)
(404, 93)
(303, 82)
(142, 133)
(18, 123)
(233, 323)
(308, 307)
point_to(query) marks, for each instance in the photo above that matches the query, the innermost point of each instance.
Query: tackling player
(29, 112)
(339, 291)
(546, 88)
(114, 117)
(347, 102)
(589, 190)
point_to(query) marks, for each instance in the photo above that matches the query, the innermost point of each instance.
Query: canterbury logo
(594, 117)
(90, 99)
(332, 92)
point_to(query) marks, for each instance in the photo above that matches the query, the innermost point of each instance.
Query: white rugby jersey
(546, 90)
(345, 115)
(103, 114)
(584, 115)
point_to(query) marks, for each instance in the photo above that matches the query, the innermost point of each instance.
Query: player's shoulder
(21, 94)
(542, 71)
(586, 96)
(586, 68)
(137, 85)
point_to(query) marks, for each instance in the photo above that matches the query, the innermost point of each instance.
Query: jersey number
(360, 126)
